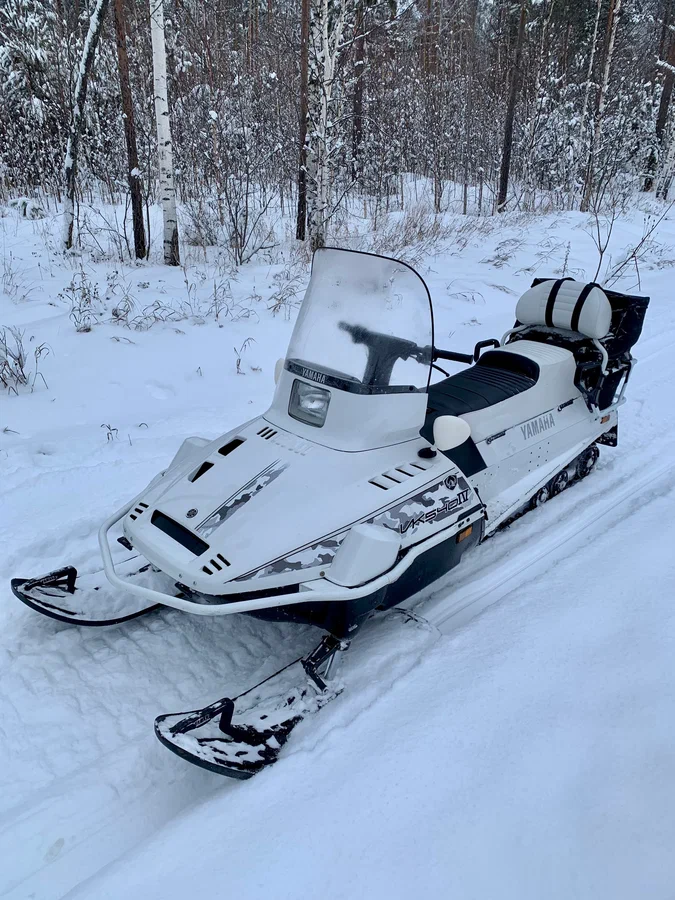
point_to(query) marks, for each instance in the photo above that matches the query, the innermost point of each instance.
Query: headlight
(308, 403)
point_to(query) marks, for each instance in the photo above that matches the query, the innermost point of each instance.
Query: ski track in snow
(82, 777)
(524, 757)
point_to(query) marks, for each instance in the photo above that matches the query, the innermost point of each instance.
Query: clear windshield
(365, 319)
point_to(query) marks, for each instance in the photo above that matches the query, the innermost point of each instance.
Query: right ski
(86, 599)
(240, 736)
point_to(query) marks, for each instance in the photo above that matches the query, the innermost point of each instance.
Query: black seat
(496, 376)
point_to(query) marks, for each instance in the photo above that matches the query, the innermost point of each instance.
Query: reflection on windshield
(366, 320)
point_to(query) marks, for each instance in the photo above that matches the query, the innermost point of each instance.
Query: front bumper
(319, 590)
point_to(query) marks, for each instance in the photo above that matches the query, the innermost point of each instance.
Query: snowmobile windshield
(365, 325)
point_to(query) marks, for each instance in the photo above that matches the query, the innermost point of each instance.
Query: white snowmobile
(361, 484)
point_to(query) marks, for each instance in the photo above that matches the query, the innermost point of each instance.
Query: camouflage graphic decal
(242, 496)
(431, 505)
(319, 554)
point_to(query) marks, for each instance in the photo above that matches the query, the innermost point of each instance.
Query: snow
(518, 746)
(527, 756)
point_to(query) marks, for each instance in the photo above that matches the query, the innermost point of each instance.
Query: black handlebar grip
(453, 357)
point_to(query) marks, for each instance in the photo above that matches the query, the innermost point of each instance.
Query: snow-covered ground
(524, 752)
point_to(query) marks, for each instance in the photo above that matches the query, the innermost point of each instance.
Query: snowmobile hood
(272, 501)
(261, 507)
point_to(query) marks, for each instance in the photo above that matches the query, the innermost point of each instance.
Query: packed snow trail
(82, 778)
(225, 653)
(526, 756)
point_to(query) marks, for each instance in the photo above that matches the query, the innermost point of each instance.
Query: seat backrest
(567, 304)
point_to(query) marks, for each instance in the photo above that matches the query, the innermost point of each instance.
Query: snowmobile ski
(85, 599)
(240, 736)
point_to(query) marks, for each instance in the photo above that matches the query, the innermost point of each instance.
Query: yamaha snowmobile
(364, 482)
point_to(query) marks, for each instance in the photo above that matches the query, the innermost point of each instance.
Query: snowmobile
(363, 483)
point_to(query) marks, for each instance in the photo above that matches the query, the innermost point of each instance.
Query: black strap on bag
(550, 303)
(579, 305)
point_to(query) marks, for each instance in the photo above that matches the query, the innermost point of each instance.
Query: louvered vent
(138, 510)
(205, 466)
(218, 563)
(267, 432)
(399, 475)
(228, 448)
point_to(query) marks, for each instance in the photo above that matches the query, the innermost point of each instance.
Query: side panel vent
(218, 563)
(399, 475)
(228, 448)
(138, 511)
(205, 466)
(267, 432)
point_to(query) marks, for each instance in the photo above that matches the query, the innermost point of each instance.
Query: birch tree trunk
(301, 223)
(327, 22)
(507, 146)
(468, 115)
(589, 74)
(164, 146)
(77, 121)
(133, 172)
(612, 25)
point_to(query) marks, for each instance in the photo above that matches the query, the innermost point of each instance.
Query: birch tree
(77, 119)
(328, 20)
(167, 189)
(667, 172)
(301, 221)
(612, 25)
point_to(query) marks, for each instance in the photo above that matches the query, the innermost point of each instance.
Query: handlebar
(384, 350)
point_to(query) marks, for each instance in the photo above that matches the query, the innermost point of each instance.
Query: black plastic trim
(202, 470)
(179, 533)
(230, 446)
(297, 367)
(467, 457)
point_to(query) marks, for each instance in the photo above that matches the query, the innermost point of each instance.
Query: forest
(318, 113)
